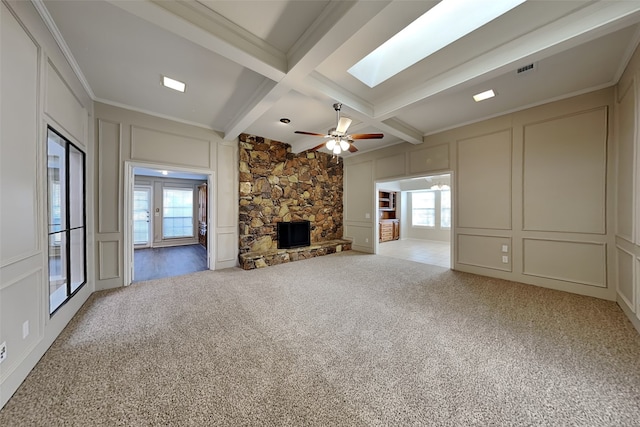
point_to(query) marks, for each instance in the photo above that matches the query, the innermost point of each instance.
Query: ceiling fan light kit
(340, 141)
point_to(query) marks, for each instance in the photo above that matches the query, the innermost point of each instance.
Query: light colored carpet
(347, 339)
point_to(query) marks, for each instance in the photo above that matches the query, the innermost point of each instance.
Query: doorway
(167, 218)
(423, 212)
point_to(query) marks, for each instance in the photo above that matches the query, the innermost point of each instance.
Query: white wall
(627, 218)
(127, 136)
(539, 181)
(38, 88)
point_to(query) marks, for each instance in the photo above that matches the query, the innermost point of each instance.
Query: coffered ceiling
(248, 63)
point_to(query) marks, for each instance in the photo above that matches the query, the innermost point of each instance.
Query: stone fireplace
(277, 185)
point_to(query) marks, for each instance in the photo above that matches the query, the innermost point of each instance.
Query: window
(423, 210)
(445, 209)
(177, 212)
(66, 212)
(431, 207)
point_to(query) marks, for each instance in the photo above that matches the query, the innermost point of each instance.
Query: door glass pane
(57, 270)
(56, 170)
(78, 258)
(66, 219)
(141, 206)
(177, 212)
(76, 187)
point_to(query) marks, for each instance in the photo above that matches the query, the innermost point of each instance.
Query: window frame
(434, 209)
(69, 228)
(438, 209)
(174, 187)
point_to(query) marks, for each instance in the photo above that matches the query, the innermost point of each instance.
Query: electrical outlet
(3, 351)
(367, 216)
(366, 240)
(505, 259)
(505, 248)
(25, 329)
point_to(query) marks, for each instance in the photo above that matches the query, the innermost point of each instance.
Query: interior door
(142, 216)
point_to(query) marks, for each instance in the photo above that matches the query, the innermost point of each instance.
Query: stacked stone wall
(277, 185)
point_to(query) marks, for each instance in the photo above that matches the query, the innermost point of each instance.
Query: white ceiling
(249, 63)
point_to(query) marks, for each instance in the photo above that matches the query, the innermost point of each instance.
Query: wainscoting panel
(163, 147)
(484, 181)
(429, 159)
(19, 207)
(626, 281)
(109, 154)
(626, 276)
(625, 164)
(20, 301)
(359, 235)
(391, 166)
(483, 251)
(577, 262)
(226, 186)
(359, 202)
(636, 288)
(565, 163)
(226, 247)
(63, 106)
(109, 259)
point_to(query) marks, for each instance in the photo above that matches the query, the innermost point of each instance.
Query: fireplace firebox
(294, 234)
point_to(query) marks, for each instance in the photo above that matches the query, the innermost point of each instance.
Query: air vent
(526, 69)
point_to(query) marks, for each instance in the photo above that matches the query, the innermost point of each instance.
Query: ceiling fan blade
(367, 136)
(311, 133)
(343, 125)
(317, 147)
(352, 148)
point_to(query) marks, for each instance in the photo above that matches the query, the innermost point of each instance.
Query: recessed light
(484, 95)
(285, 120)
(165, 173)
(173, 84)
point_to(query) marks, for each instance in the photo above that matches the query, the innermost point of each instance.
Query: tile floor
(424, 251)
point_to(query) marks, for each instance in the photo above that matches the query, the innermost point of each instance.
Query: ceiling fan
(340, 141)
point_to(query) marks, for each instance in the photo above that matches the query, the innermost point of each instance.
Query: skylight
(443, 24)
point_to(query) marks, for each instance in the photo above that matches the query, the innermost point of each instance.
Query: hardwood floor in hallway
(425, 251)
(155, 263)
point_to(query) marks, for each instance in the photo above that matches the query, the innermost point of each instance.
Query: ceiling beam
(401, 130)
(338, 22)
(212, 31)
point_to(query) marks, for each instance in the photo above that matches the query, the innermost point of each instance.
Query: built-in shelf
(389, 227)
